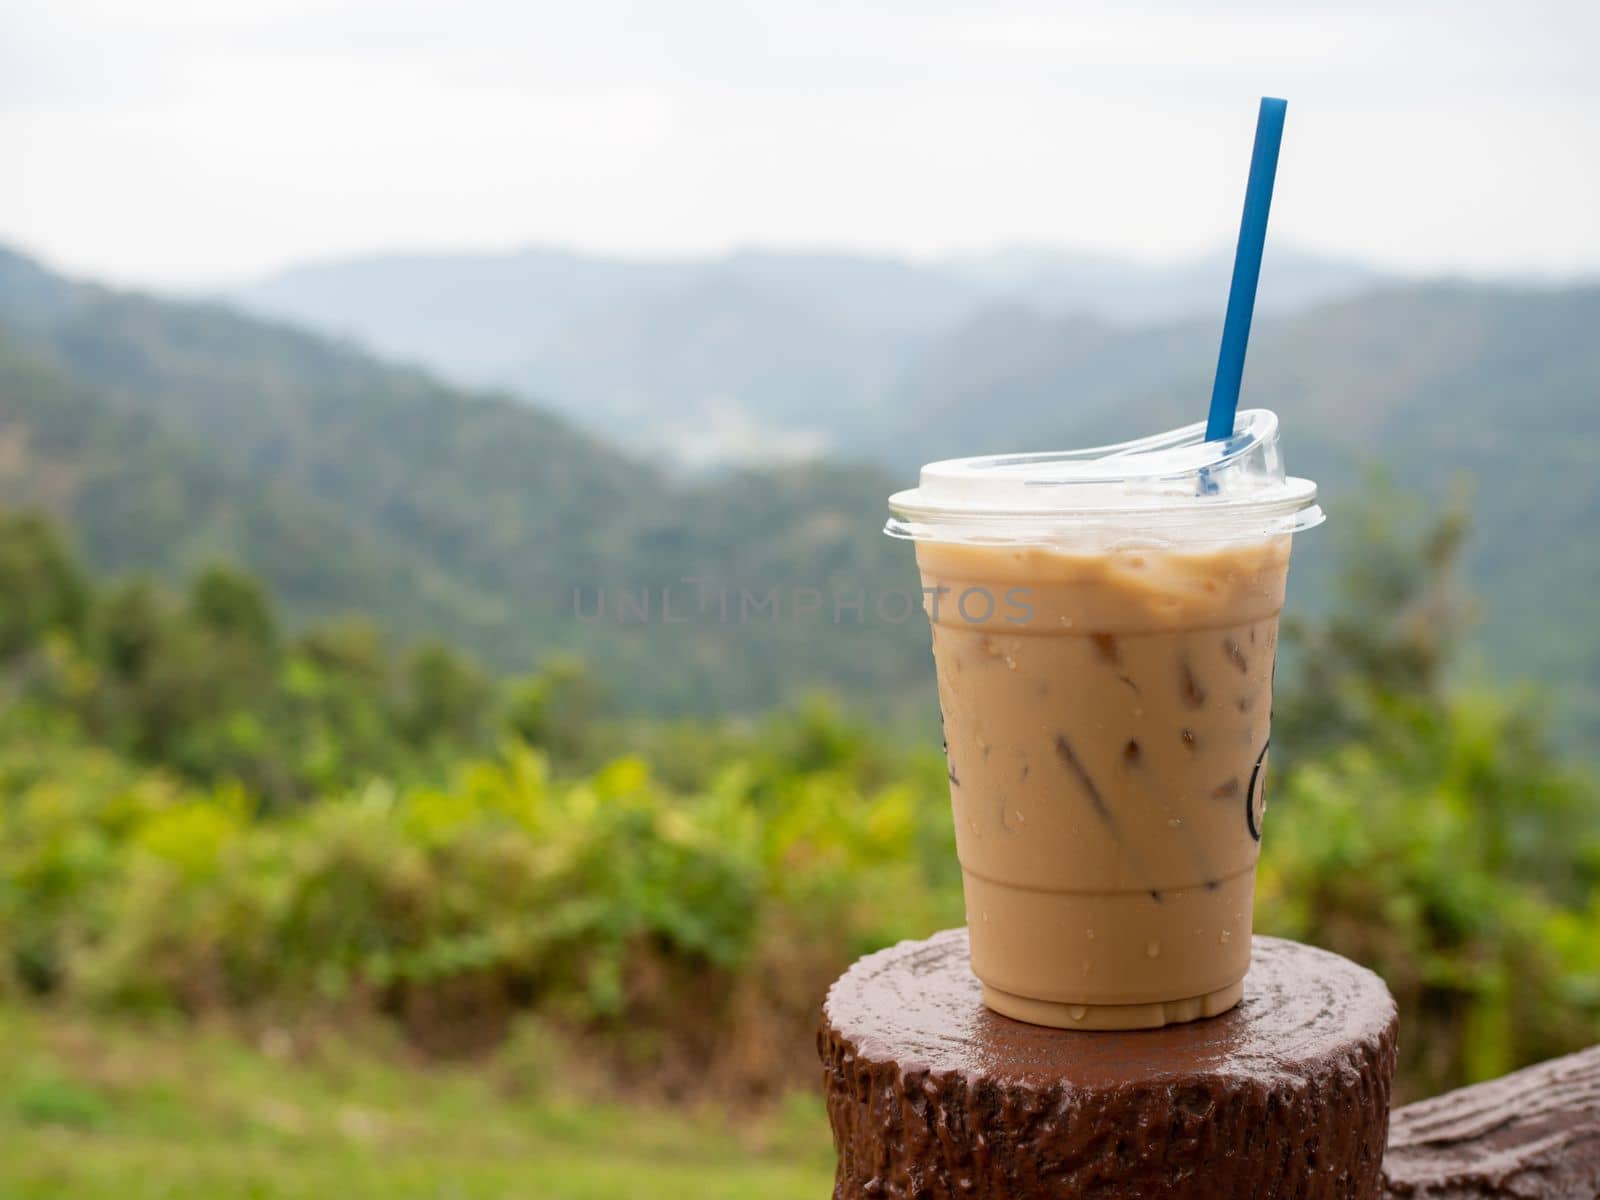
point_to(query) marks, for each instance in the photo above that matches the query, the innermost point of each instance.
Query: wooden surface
(932, 1096)
(1533, 1135)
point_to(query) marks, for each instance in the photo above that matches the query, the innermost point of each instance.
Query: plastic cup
(1104, 634)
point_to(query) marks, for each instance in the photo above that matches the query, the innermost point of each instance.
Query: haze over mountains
(760, 355)
(168, 433)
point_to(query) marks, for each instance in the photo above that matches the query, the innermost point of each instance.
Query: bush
(599, 900)
(1447, 854)
(200, 812)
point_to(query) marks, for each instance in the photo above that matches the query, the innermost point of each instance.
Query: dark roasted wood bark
(931, 1096)
(1534, 1135)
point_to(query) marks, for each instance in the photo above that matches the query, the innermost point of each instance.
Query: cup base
(1112, 1016)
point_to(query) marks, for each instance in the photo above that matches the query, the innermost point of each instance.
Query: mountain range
(754, 355)
(171, 432)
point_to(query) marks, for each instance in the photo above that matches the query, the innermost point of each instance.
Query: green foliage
(572, 895)
(1441, 853)
(445, 697)
(232, 604)
(1397, 624)
(45, 592)
(1428, 832)
(558, 709)
(201, 812)
(158, 847)
(209, 687)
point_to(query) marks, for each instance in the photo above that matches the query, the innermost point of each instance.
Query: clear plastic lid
(1172, 487)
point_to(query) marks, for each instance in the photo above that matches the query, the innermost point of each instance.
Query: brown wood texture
(932, 1096)
(1533, 1135)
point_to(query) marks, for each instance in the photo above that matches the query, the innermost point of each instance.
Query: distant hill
(672, 374)
(173, 432)
(1136, 293)
(994, 383)
(764, 354)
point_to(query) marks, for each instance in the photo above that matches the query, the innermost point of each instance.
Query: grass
(94, 1110)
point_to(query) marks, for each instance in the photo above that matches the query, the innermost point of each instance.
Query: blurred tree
(211, 689)
(1428, 831)
(230, 602)
(1399, 617)
(129, 626)
(445, 697)
(349, 646)
(41, 587)
(1439, 851)
(1421, 828)
(558, 709)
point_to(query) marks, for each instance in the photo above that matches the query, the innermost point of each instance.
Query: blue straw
(1246, 270)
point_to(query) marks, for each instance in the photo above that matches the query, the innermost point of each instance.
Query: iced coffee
(1104, 634)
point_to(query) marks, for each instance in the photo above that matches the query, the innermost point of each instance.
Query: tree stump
(1533, 1135)
(931, 1095)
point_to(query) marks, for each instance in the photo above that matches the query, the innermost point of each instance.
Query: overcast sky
(188, 143)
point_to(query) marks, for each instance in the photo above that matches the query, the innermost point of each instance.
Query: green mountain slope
(352, 483)
(141, 499)
(504, 514)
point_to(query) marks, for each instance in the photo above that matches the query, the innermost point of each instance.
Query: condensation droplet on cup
(1088, 967)
(1089, 933)
(1078, 1012)
(1021, 820)
(1153, 950)
(1011, 662)
(1175, 822)
(985, 918)
(1224, 936)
